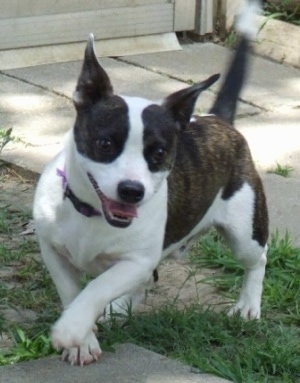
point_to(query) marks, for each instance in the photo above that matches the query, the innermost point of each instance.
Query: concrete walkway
(36, 102)
(128, 364)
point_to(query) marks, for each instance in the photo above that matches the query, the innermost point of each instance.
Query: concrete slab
(37, 117)
(127, 79)
(270, 85)
(128, 364)
(39, 120)
(284, 205)
(274, 138)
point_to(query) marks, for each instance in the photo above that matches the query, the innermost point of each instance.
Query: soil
(179, 281)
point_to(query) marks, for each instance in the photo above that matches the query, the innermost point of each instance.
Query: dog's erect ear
(93, 82)
(181, 104)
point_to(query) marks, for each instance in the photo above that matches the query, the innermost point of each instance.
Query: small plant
(27, 348)
(5, 138)
(231, 39)
(285, 10)
(282, 170)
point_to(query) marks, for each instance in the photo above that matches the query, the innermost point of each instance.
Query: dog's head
(126, 145)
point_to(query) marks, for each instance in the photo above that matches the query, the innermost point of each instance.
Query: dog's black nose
(131, 191)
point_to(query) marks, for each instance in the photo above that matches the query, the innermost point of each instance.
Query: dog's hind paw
(88, 352)
(247, 310)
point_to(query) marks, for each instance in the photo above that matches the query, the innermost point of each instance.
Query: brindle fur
(210, 155)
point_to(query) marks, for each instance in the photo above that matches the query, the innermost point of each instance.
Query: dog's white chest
(93, 246)
(88, 244)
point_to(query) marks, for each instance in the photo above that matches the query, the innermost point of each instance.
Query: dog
(138, 181)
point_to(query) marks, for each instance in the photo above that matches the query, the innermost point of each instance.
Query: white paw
(70, 332)
(246, 308)
(88, 352)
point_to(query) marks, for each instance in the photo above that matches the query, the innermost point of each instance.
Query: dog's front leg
(64, 275)
(78, 319)
(66, 279)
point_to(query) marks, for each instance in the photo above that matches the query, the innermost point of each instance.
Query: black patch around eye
(160, 137)
(101, 131)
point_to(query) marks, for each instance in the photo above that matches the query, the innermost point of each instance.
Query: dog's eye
(159, 155)
(105, 145)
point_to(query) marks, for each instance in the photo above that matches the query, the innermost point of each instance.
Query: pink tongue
(120, 209)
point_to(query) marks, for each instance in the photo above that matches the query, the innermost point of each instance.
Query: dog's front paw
(88, 352)
(69, 332)
(246, 308)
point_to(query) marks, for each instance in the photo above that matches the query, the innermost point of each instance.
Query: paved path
(36, 102)
(129, 364)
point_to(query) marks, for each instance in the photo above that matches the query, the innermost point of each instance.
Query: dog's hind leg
(249, 303)
(245, 228)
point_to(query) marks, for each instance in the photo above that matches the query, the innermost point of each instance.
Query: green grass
(256, 351)
(282, 11)
(248, 352)
(231, 40)
(241, 351)
(281, 296)
(282, 170)
(26, 347)
(5, 137)
(9, 218)
(25, 285)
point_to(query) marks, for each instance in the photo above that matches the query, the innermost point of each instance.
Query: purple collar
(82, 207)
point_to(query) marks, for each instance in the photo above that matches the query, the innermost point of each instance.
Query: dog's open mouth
(117, 214)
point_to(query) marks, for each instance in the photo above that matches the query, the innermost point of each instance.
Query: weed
(6, 137)
(283, 10)
(27, 348)
(282, 170)
(231, 39)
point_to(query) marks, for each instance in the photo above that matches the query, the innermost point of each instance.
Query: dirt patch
(180, 283)
(16, 190)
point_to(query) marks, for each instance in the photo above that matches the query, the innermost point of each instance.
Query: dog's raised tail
(226, 101)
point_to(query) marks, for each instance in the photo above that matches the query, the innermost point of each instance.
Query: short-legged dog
(137, 181)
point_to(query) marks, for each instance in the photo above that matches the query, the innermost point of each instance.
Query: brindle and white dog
(138, 181)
